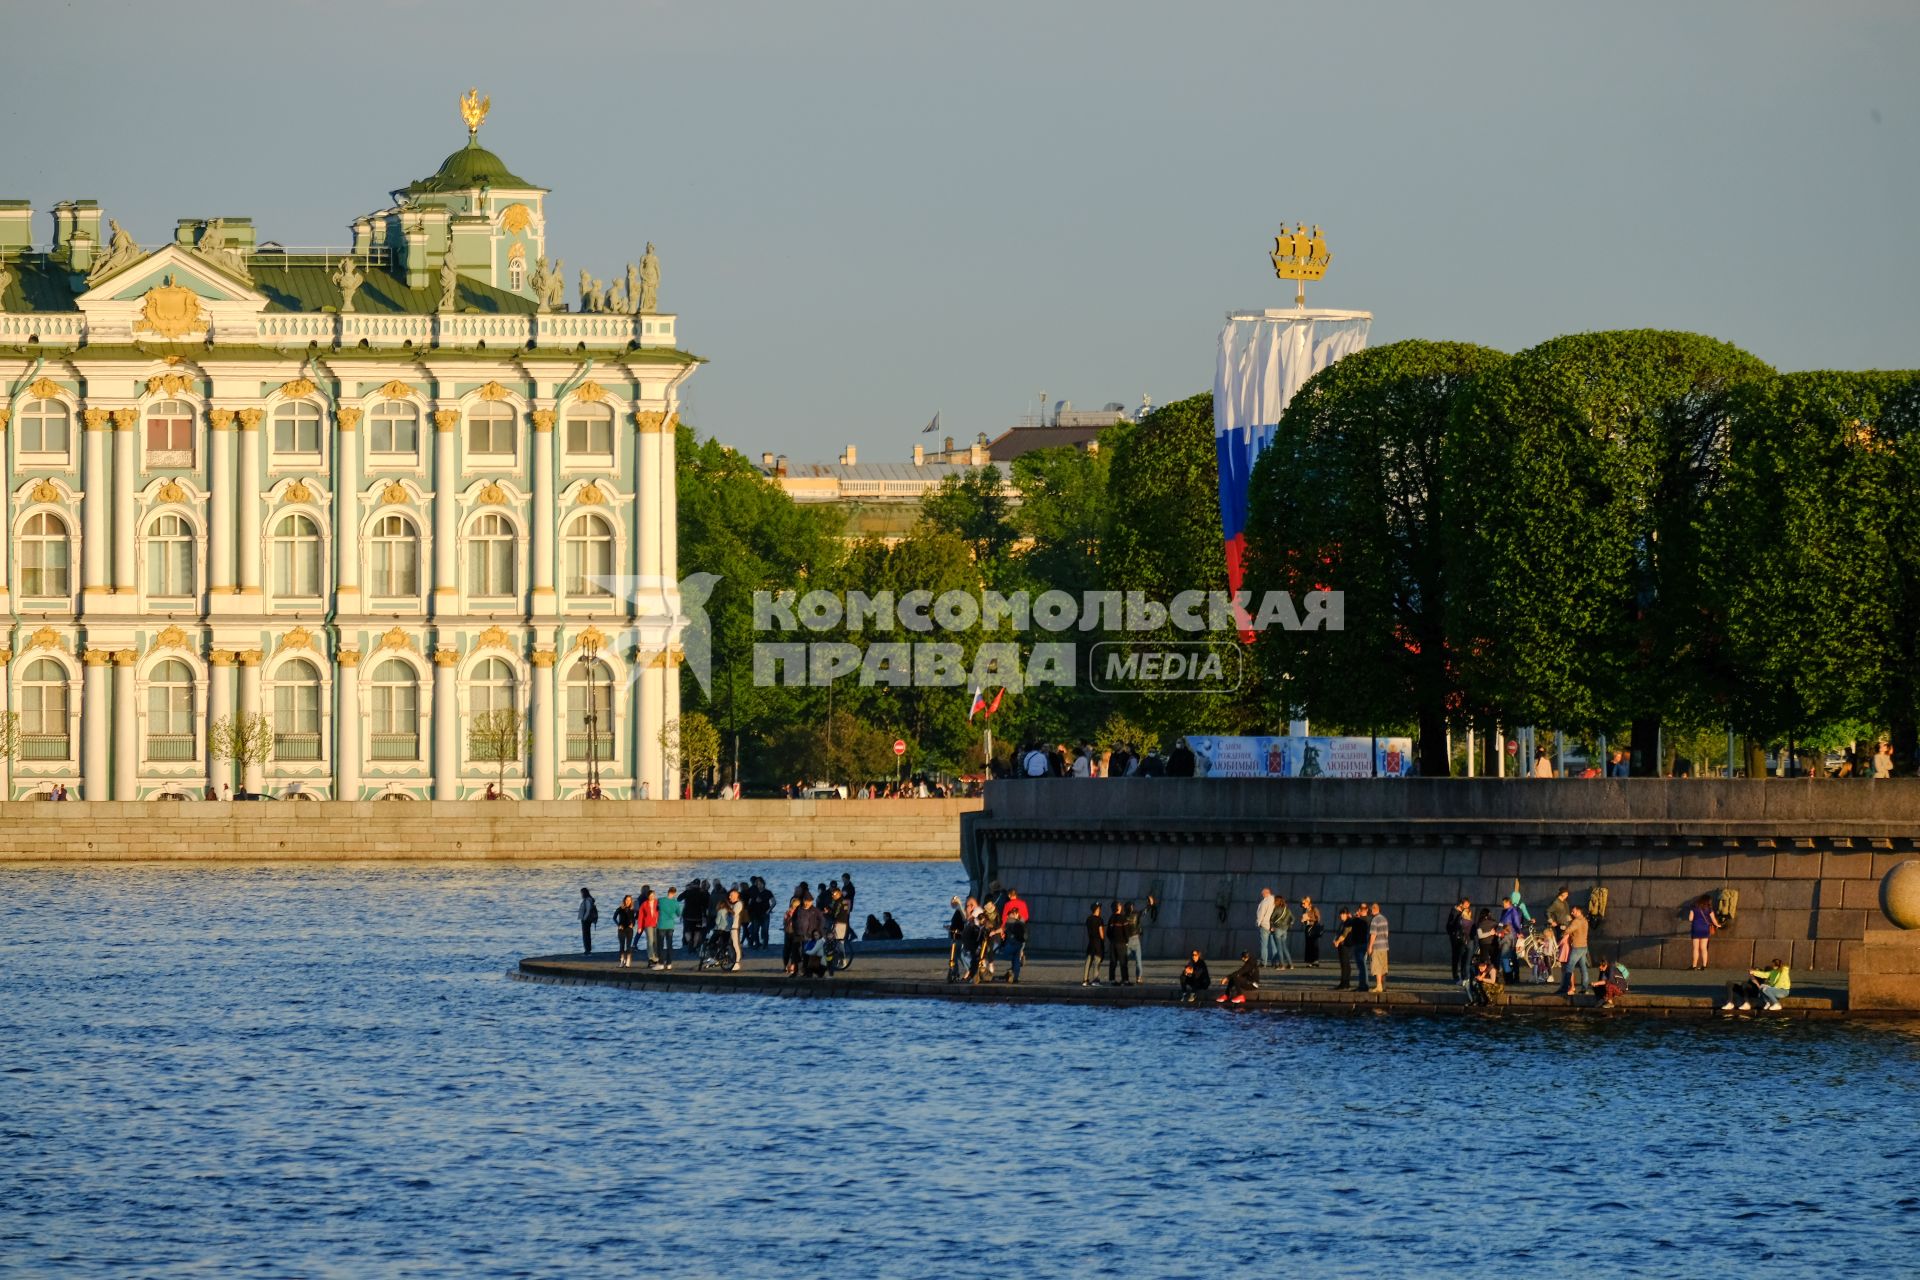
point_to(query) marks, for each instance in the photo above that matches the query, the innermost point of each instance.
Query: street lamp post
(593, 722)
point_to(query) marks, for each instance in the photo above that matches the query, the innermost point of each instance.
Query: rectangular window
(490, 437)
(590, 437)
(394, 572)
(393, 435)
(296, 567)
(46, 433)
(170, 435)
(296, 435)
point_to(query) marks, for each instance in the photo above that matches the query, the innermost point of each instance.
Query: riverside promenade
(916, 970)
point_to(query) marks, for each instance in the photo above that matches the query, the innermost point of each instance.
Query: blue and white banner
(1301, 757)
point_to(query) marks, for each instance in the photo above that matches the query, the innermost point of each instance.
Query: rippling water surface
(322, 1070)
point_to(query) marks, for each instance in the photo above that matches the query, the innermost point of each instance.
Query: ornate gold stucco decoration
(494, 638)
(395, 390)
(298, 638)
(593, 640)
(170, 492)
(516, 253)
(492, 494)
(172, 638)
(220, 419)
(543, 419)
(473, 109)
(249, 657)
(44, 389)
(590, 495)
(296, 387)
(125, 419)
(446, 657)
(494, 391)
(222, 657)
(96, 419)
(445, 419)
(44, 638)
(348, 419)
(652, 421)
(516, 217)
(170, 383)
(125, 657)
(397, 638)
(298, 492)
(348, 657)
(6, 416)
(45, 491)
(171, 311)
(250, 418)
(591, 391)
(394, 492)
(542, 657)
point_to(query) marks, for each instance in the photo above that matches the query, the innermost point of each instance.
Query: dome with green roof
(469, 167)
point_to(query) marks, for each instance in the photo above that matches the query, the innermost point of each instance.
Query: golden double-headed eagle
(473, 109)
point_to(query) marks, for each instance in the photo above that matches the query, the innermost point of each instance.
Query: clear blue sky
(867, 212)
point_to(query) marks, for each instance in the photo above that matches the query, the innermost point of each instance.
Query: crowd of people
(983, 931)
(1037, 759)
(717, 923)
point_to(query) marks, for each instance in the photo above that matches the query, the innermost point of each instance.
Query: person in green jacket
(1281, 922)
(670, 911)
(1770, 985)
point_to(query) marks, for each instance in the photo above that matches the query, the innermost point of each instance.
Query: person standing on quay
(671, 909)
(623, 918)
(589, 916)
(1578, 953)
(736, 925)
(1014, 917)
(1310, 931)
(1263, 925)
(1119, 936)
(1343, 948)
(1096, 947)
(1362, 937)
(1137, 938)
(646, 920)
(1377, 949)
(1459, 939)
(1282, 923)
(1701, 924)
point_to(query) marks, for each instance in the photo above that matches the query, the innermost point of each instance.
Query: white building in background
(367, 494)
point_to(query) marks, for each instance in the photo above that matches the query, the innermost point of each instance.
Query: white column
(544, 601)
(670, 711)
(446, 727)
(445, 588)
(126, 740)
(648, 762)
(668, 513)
(646, 517)
(255, 778)
(94, 524)
(220, 504)
(346, 727)
(93, 726)
(346, 513)
(252, 551)
(219, 707)
(542, 712)
(124, 527)
(6, 686)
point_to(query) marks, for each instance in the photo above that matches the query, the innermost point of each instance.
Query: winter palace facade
(355, 498)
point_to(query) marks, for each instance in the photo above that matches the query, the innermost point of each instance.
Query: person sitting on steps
(1769, 986)
(1194, 980)
(1242, 980)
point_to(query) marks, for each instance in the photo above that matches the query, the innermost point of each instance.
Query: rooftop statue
(120, 251)
(538, 282)
(557, 285)
(617, 298)
(348, 280)
(633, 288)
(449, 284)
(649, 281)
(213, 246)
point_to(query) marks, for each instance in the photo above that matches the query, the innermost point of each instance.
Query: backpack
(1726, 904)
(1597, 902)
(593, 912)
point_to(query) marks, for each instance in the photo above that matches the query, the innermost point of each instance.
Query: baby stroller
(1539, 954)
(716, 950)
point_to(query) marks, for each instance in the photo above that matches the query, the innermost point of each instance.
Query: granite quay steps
(1805, 857)
(309, 830)
(919, 972)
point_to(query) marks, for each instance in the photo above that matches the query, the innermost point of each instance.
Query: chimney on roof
(977, 454)
(949, 445)
(852, 456)
(982, 437)
(919, 455)
(766, 459)
(780, 466)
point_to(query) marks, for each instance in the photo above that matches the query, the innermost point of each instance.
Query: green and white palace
(359, 497)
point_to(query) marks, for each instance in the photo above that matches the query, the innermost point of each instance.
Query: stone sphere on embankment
(1900, 895)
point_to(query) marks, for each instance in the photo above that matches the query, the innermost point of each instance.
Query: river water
(322, 1070)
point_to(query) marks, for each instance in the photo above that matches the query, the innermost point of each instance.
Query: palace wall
(1805, 856)
(699, 830)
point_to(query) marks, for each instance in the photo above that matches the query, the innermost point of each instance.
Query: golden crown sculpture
(1300, 255)
(473, 109)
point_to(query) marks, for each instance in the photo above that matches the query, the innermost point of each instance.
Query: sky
(867, 213)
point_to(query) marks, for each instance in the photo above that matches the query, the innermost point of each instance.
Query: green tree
(973, 506)
(242, 741)
(1349, 496)
(693, 744)
(499, 737)
(1569, 469)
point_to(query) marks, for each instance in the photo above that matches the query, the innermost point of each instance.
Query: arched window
(490, 432)
(590, 711)
(45, 556)
(396, 557)
(516, 274)
(490, 556)
(589, 432)
(296, 429)
(296, 711)
(170, 556)
(396, 712)
(170, 712)
(589, 561)
(394, 429)
(45, 426)
(296, 557)
(43, 711)
(490, 690)
(170, 434)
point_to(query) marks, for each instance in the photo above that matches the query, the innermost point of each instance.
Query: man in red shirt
(1014, 917)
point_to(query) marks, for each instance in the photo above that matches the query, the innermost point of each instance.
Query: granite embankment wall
(1805, 856)
(43, 831)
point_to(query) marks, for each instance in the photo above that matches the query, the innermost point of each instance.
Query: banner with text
(1292, 756)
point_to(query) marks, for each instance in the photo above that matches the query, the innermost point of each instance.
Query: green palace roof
(469, 167)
